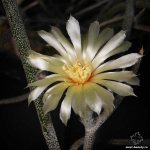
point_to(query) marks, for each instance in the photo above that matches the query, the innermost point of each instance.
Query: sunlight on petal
(114, 42)
(117, 87)
(44, 62)
(63, 40)
(48, 80)
(121, 76)
(120, 49)
(65, 110)
(134, 81)
(36, 93)
(78, 102)
(73, 29)
(106, 97)
(53, 96)
(92, 99)
(51, 103)
(122, 62)
(103, 37)
(92, 38)
(55, 89)
(52, 41)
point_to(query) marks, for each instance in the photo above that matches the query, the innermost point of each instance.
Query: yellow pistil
(78, 73)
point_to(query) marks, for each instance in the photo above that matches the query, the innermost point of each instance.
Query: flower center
(78, 73)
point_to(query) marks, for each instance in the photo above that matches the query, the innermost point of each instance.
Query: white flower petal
(114, 42)
(92, 99)
(103, 37)
(52, 41)
(73, 29)
(122, 62)
(63, 40)
(65, 109)
(54, 90)
(78, 102)
(117, 87)
(85, 56)
(52, 97)
(51, 60)
(60, 58)
(121, 76)
(44, 62)
(133, 81)
(36, 93)
(92, 38)
(47, 80)
(121, 48)
(51, 103)
(39, 63)
(106, 97)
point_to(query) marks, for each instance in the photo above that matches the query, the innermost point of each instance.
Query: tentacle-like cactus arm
(23, 46)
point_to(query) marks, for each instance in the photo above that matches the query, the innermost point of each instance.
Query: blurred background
(19, 125)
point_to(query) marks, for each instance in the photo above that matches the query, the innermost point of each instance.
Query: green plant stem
(23, 46)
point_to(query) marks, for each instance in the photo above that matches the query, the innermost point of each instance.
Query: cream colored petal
(103, 37)
(60, 58)
(52, 97)
(39, 63)
(92, 38)
(114, 42)
(52, 41)
(36, 93)
(134, 81)
(78, 103)
(65, 110)
(73, 29)
(121, 76)
(106, 97)
(60, 87)
(63, 40)
(47, 80)
(53, 60)
(44, 62)
(92, 99)
(117, 87)
(85, 56)
(122, 62)
(51, 103)
(122, 48)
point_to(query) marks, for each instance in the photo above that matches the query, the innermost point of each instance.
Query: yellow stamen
(78, 73)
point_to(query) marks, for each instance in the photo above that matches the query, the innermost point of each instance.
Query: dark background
(19, 125)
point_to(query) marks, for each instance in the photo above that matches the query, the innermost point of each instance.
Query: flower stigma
(78, 73)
